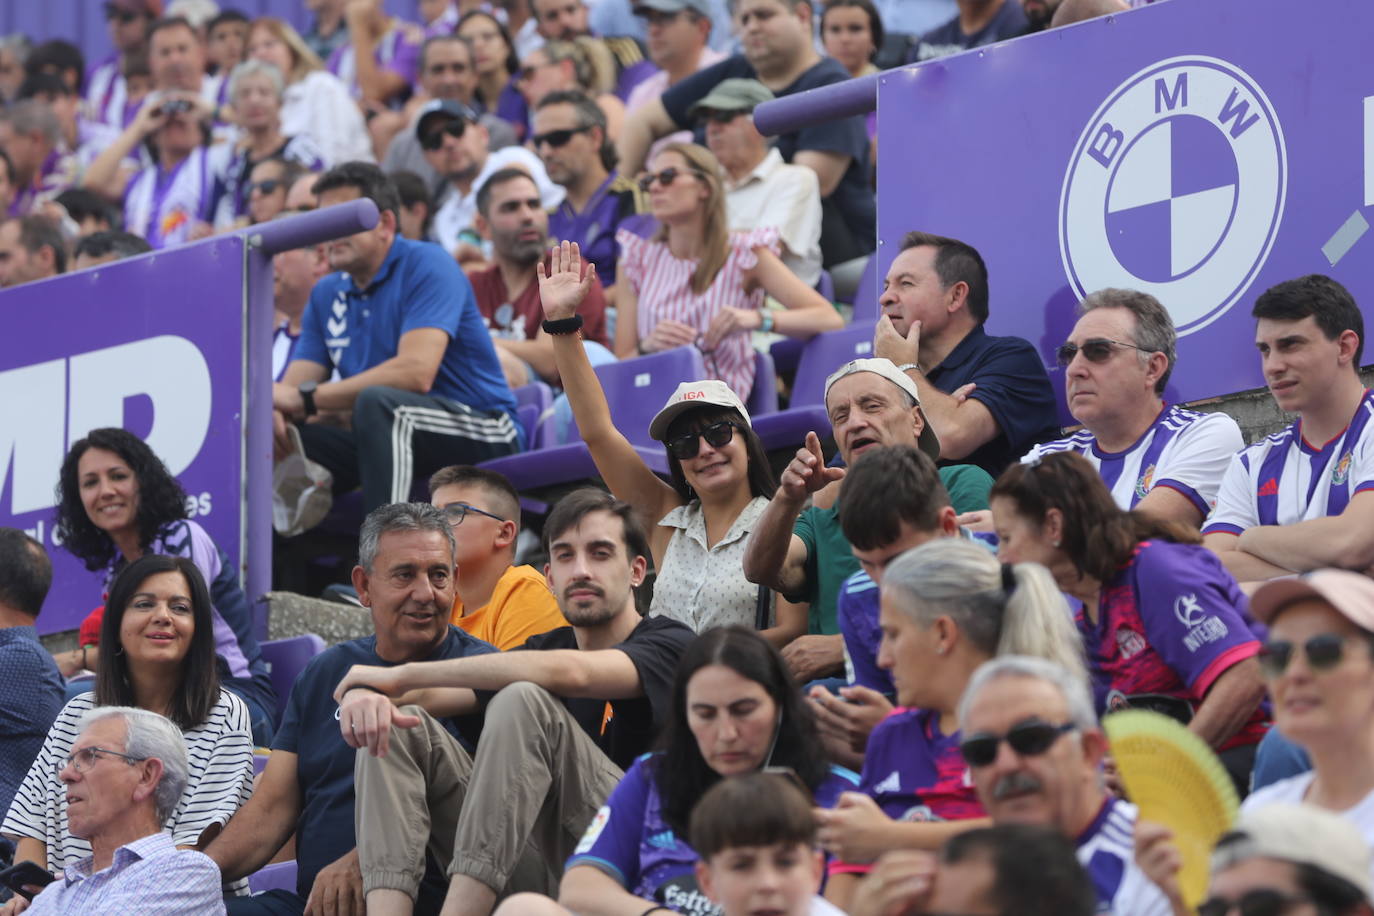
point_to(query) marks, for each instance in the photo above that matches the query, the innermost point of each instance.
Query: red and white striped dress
(663, 284)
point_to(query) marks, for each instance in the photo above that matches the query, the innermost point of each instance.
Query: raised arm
(774, 556)
(106, 174)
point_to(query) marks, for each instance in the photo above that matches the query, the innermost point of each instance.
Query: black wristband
(563, 326)
(365, 687)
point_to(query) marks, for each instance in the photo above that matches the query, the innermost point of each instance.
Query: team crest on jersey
(1142, 486)
(1341, 472)
(1129, 642)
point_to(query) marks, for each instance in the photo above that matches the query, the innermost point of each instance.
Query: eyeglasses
(1095, 349)
(1029, 739)
(1259, 902)
(456, 512)
(267, 186)
(717, 435)
(558, 138)
(665, 177)
(84, 759)
(1324, 652)
(723, 117)
(435, 138)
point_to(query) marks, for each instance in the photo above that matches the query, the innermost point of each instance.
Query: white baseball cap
(928, 441)
(691, 395)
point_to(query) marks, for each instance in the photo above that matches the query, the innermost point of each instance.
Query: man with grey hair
(405, 575)
(1034, 752)
(125, 776)
(1162, 459)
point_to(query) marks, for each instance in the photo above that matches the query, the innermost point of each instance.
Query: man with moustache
(565, 715)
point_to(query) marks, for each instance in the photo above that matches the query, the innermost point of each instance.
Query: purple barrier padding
(816, 106)
(313, 227)
(1189, 150)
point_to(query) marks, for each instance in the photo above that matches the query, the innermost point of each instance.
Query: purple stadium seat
(866, 308)
(826, 286)
(281, 876)
(764, 398)
(286, 658)
(822, 355)
(787, 351)
(532, 404)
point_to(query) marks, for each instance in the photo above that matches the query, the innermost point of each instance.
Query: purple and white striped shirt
(149, 876)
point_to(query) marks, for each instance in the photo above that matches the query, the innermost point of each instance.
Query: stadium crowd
(872, 683)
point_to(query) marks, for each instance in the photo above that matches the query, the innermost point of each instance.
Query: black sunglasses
(435, 138)
(688, 445)
(456, 512)
(1096, 350)
(1029, 739)
(266, 186)
(1324, 652)
(558, 138)
(665, 177)
(1259, 902)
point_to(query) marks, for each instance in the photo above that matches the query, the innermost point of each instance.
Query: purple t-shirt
(594, 228)
(1169, 623)
(630, 841)
(856, 612)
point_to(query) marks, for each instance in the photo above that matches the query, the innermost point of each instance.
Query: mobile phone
(20, 877)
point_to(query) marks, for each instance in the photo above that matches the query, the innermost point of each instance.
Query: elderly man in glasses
(1034, 752)
(1162, 459)
(124, 778)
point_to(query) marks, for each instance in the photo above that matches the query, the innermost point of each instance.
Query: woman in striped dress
(696, 283)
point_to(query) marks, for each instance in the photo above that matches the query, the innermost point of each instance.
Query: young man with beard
(564, 716)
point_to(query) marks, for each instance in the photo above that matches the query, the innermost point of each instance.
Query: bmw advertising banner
(1198, 150)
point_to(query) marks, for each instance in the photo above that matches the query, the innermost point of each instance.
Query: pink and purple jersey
(1169, 623)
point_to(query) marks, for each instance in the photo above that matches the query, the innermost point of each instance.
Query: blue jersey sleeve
(611, 842)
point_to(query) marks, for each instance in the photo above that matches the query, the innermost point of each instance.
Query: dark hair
(762, 481)
(9, 166)
(578, 504)
(161, 500)
(888, 486)
(112, 241)
(1035, 871)
(875, 20)
(1319, 296)
(1331, 893)
(506, 498)
(81, 203)
(680, 772)
(37, 231)
(59, 55)
(441, 38)
(956, 262)
(198, 692)
(589, 114)
(753, 809)
(411, 190)
(43, 84)
(364, 177)
(169, 22)
(512, 59)
(1097, 535)
(500, 177)
(27, 572)
(226, 16)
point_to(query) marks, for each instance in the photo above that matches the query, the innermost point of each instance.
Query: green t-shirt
(829, 560)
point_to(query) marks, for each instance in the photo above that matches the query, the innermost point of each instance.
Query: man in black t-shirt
(979, 23)
(778, 51)
(565, 715)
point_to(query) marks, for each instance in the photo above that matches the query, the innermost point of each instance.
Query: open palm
(566, 283)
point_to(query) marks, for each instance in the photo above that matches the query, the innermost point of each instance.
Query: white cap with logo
(691, 395)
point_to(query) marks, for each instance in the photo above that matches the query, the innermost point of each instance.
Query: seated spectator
(801, 551)
(1285, 505)
(106, 247)
(91, 212)
(31, 248)
(307, 787)
(721, 479)
(1051, 776)
(226, 46)
(679, 32)
(421, 373)
(14, 49)
(567, 66)
(379, 61)
(568, 21)
(1071, 11)
(696, 283)
(779, 51)
(1164, 461)
(511, 218)
(107, 96)
(948, 607)
(267, 187)
(496, 62)
(546, 708)
(32, 686)
(176, 60)
(446, 72)
(328, 32)
(735, 711)
(171, 201)
(1039, 13)
(979, 23)
(134, 865)
(160, 619)
(294, 275)
(570, 136)
(494, 600)
(760, 189)
(255, 91)
(117, 502)
(61, 59)
(852, 32)
(32, 136)
(138, 82)
(82, 137)
(316, 103)
(417, 207)
(934, 303)
(1164, 625)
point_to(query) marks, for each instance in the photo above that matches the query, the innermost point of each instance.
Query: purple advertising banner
(1198, 151)
(153, 344)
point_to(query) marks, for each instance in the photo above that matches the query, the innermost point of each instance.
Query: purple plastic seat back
(763, 399)
(278, 877)
(637, 389)
(286, 658)
(825, 353)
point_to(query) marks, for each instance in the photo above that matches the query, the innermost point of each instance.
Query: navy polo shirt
(1012, 385)
(419, 285)
(34, 693)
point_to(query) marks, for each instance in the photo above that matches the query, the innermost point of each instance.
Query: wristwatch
(307, 391)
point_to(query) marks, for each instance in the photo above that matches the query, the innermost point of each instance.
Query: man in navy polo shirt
(934, 302)
(400, 325)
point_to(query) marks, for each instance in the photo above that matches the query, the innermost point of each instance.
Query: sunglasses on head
(688, 445)
(558, 138)
(435, 138)
(1324, 652)
(1259, 902)
(266, 186)
(1029, 739)
(664, 178)
(1095, 350)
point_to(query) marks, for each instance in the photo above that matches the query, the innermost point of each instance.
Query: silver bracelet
(907, 367)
